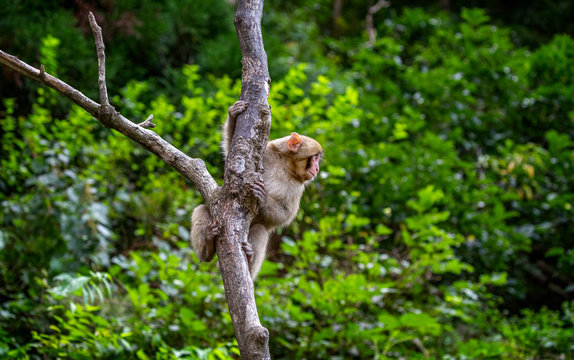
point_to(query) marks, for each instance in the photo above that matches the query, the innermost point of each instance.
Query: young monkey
(289, 162)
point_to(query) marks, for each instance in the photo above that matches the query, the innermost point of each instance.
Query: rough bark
(233, 204)
(243, 167)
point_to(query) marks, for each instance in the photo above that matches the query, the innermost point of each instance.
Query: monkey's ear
(294, 142)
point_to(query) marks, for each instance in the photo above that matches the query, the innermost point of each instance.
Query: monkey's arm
(229, 125)
(276, 208)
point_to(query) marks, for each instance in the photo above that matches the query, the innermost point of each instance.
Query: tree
(232, 203)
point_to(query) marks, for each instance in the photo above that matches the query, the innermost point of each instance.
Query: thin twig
(192, 169)
(100, 50)
(148, 123)
(106, 112)
(369, 22)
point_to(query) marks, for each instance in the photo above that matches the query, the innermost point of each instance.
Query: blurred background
(440, 227)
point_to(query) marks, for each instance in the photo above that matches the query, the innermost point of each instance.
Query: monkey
(289, 163)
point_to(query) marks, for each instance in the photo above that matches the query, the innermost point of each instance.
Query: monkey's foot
(238, 108)
(258, 189)
(248, 250)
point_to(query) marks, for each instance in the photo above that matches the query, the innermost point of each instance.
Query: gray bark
(243, 166)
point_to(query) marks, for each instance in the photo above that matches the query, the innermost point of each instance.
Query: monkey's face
(302, 153)
(312, 167)
(305, 169)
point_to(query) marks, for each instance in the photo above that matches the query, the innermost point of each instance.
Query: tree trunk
(244, 165)
(336, 16)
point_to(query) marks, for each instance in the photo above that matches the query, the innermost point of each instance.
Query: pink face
(313, 166)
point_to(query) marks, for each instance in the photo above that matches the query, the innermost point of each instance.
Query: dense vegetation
(441, 225)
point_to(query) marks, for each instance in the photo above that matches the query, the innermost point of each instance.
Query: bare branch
(148, 123)
(369, 22)
(100, 50)
(192, 169)
(106, 111)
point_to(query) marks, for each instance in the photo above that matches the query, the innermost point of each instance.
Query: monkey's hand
(248, 250)
(258, 189)
(237, 108)
(212, 230)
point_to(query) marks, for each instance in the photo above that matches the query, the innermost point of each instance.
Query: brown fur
(289, 162)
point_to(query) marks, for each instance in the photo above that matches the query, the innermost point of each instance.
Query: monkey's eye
(312, 159)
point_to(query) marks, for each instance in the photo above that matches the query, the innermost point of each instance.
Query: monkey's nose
(315, 170)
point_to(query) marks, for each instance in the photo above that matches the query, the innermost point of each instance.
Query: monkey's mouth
(310, 174)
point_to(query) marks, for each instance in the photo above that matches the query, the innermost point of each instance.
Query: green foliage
(91, 287)
(144, 321)
(145, 40)
(440, 226)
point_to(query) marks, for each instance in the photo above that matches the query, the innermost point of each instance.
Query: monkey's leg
(203, 232)
(258, 238)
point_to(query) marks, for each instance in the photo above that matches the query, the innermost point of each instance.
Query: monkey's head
(303, 155)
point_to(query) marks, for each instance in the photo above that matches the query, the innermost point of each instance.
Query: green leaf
(383, 230)
(186, 316)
